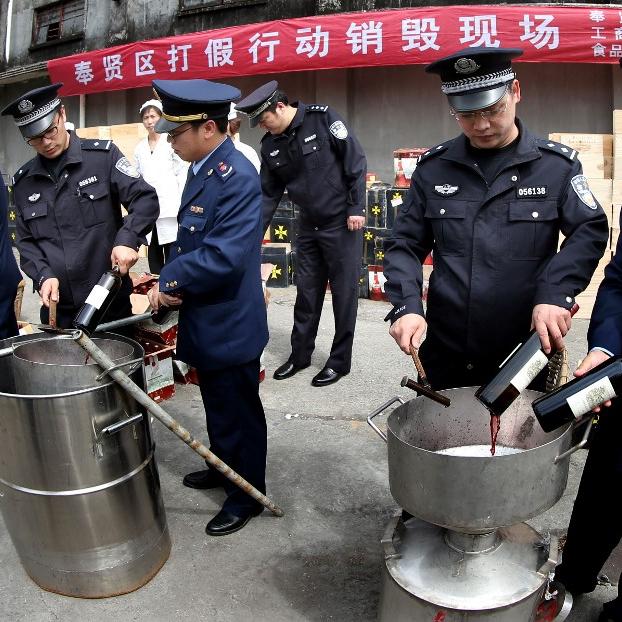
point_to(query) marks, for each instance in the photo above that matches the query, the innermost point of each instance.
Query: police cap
(258, 101)
(34, 111)
(475, 78)
(192, 100)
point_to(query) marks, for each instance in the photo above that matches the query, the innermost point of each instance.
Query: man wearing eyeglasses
(490, 204)
(68, 198)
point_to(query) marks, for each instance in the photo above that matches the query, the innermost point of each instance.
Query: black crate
(377, 206)
(284, 230)
(279, 277)
(364, 282)
(373, 245)
(12, 234)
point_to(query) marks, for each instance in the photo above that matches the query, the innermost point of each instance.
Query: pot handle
(582, 443)
(376, 412)
(113, 428)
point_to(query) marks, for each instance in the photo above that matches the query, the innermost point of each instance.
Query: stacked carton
(596, 153)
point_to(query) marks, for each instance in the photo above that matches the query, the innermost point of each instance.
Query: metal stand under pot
(461, 552)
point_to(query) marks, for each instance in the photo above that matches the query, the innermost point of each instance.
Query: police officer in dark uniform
(490, 204)
(68, 198)
(595, 528)
(9, 271)
(310, 151)
(213, 275)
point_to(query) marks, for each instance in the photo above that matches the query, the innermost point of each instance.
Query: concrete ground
(326, 468)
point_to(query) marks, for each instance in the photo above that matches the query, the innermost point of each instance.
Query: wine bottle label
(590, 397)
(97, 296)
(529, 371)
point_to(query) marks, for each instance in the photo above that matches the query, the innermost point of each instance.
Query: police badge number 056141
(339, 130)
(127, 168)
(582, 190)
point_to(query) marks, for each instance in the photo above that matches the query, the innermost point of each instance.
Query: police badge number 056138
(582, 190)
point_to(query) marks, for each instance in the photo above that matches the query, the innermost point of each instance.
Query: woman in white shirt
(166, 172)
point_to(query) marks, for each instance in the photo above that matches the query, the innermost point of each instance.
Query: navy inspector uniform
(10, 273)
(595, 529)
(214, 270)
(309, 151)
(490, 204)
(68, 202)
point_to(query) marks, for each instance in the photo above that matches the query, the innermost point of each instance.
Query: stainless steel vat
(473, 494)
(79, 486)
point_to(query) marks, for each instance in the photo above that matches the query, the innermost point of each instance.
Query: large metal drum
(473, 494)
(79, 486)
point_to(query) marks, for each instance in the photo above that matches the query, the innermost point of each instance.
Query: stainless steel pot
(79, 486)
(44, 366)
(472, 494)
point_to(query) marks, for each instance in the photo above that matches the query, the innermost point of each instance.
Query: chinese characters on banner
(396, 37)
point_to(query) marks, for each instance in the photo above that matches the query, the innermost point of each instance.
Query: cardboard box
(602, 189)
(164, 333)
(376, 281)
(617, 121)
(158, 366)
(615, 216)
(594, 166)
(595, 144)
(404, 164)
(615, 236)
(586, 306)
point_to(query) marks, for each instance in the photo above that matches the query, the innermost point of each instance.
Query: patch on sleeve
(582, 190)
(127, 168)
(339, 130)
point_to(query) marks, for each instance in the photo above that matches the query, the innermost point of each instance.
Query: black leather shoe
(287, 370)
(225, 522)
(204, 480)
(326, 376)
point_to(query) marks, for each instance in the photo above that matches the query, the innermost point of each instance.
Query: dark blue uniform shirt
(494, 247)
(10, 273)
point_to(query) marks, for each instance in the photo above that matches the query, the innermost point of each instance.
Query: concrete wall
(387, 107)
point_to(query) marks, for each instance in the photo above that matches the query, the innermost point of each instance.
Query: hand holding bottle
(551, 323)
(593, 358)
(124, 257)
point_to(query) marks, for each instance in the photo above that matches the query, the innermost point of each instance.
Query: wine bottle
(523, 364)
(579, 396)
(98, 301)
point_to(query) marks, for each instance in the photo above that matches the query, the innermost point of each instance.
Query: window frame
(44, 11)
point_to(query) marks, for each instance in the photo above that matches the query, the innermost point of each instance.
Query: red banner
(369, 39)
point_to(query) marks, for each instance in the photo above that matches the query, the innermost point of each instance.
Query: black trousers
(157, 253)
(595, 527)
(326, 255)
(236, 426)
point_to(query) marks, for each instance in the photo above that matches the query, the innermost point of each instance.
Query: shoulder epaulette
(21, 172)
(96, 144)
(562, 150)
(224, 170)
(430, 153)
(317, 108)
